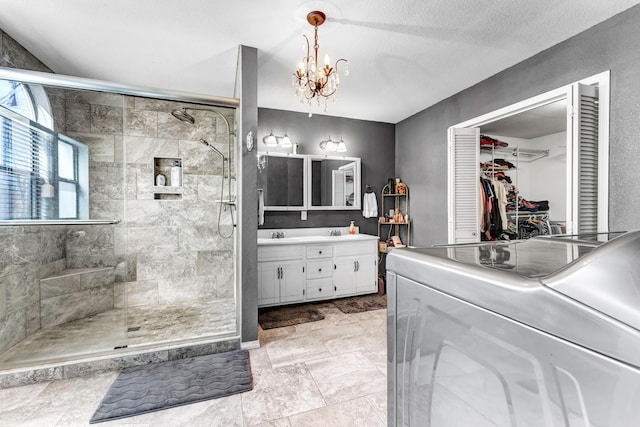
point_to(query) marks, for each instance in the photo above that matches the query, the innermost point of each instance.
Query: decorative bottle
(352, 228)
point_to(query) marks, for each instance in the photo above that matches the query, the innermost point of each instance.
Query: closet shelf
(523, 154)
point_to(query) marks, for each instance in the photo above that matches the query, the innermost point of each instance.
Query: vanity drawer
(356, 248)
(278, 253)
(319, 251)
(320, 268)
(319, 289)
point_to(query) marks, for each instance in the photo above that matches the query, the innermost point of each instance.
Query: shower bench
(75, 293)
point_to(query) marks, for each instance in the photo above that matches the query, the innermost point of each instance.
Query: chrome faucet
(335, 233)
(277, 235)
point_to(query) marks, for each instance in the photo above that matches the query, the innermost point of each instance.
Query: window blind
(25, 165)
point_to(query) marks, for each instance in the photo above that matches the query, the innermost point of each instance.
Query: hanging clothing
(501, 197)
(369, 205)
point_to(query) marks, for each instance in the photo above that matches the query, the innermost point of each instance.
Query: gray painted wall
(373, 142)
(421, 140)
(247, 92)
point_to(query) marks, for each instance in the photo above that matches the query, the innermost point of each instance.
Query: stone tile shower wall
(27, 254)
(175, 253)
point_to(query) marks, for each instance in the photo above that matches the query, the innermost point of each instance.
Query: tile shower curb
(65, 370)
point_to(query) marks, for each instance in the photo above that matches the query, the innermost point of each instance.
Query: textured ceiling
(534, 123)
(403, 55)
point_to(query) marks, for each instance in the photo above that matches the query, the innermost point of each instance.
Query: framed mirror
(334, 183)
(283, 179)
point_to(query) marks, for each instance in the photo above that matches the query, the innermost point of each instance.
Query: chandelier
(311, 81)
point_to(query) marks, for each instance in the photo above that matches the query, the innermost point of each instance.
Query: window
(42, 173)
(67, 181)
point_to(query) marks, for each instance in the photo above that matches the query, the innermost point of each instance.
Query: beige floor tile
(259, 359)
(51, 402)
(223, 412)
(357, 412)
(378, 357)
(26, 416)
(282, 422)
(268, 335)
(346, 376)
(296, 348)
(279, 393)
(16, 397)
(351, 382)
(346, 339)
(378, 402)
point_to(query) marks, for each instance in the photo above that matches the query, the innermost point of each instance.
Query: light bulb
(330, 145)
(342, 147)
(327, 61)
(270, 140)
(286, 142)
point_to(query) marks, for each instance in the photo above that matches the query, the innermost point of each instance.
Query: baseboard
(250, 345)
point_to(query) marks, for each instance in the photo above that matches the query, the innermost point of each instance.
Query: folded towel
(260, 207)
(370, 205)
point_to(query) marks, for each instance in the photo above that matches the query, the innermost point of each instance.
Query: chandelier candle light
(309, 80)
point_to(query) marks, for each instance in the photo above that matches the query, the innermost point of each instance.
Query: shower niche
(165, 184)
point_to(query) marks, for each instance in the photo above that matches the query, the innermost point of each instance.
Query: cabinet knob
(319, 252)
(319, 289)
(319, 269)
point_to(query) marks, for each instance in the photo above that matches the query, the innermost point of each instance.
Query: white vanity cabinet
(280, 275)
(316, 270)
(355, 268)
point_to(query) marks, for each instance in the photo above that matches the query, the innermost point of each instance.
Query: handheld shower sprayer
(205, 142)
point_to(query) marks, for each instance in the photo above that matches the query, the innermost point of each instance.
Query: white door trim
(564, 92)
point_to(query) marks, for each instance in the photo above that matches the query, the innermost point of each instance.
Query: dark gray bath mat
(361, 303)
(147, 388)
(278, 317)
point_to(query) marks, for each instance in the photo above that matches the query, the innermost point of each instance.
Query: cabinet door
(366, 280)
(268, 283)
(344, 277)
(292, 282)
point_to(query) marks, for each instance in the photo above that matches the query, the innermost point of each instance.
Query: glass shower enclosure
(117, 219)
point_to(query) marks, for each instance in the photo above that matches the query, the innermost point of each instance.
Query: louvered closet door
(586, 183)
(464, 175)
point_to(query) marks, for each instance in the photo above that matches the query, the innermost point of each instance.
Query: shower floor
(105, 331)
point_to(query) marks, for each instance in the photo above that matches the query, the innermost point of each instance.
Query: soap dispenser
(175, 174)
(352, 228)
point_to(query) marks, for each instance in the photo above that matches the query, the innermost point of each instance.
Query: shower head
(182, 115)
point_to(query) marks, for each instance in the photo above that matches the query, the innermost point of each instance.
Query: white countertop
(297, 240)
